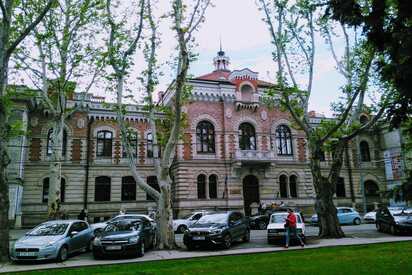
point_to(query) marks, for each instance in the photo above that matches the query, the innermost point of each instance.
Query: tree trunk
(329, 226)
(54, 198)
(4, 188)
(165, 215)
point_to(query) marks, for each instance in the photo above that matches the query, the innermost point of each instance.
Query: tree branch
(29, 28)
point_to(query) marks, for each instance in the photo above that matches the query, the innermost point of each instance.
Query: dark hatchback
(394, 221)
(124, 238)
(218, 229)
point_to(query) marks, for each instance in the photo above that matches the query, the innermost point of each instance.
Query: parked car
(128, 237)
(217, 229)
(346, 215)
(181, 225)
(53, 240)
(370, 217)
(276, 228)
(261, 221)
(102, 225)
(394, 221)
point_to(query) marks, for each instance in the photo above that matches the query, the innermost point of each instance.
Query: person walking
(290, 226)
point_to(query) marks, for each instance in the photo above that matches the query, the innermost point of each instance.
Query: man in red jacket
(290, 226)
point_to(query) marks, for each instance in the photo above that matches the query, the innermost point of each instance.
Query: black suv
(217, 229)
(124, 238)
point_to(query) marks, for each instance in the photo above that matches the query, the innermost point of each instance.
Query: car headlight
(50, 244)
(216, 231)
(133, 239)
(96, 242)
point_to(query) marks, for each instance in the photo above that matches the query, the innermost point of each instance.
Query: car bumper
(126, 250)
(40, 255)
(368, 220)
(273, 236)
(203, 240)
(407, 228)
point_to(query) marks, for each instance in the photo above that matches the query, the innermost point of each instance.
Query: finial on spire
(220, 38)
(221, 61)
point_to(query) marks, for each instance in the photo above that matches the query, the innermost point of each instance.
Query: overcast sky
(246, 41)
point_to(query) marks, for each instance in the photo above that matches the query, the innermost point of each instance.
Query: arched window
(128, 189)
(283, 186)
(149, 145)
(212, 187)
(152, 181)
(46, 186)
(201, 186)
(104, 144)
(205, 137)
(371, 189)
(364, 151)
(247, 137)
(340, 188)
(293, 186)
(132, 138)
(284, 140)
(102, 189)
(50, 142)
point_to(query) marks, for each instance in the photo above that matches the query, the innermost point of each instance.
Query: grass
(389, 258)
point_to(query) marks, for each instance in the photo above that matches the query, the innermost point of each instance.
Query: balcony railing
(254, 156)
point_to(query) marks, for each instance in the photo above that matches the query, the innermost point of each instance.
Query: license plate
(26, 254)
(198, 238)
(113, 247)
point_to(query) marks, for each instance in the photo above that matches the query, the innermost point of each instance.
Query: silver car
(53, 240)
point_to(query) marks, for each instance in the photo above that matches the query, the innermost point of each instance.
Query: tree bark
(54, 197)
(329, 226)
(325, 189)
(165, 215)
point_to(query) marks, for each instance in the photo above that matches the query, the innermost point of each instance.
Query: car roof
(63, 221)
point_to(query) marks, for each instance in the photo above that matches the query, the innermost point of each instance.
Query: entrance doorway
(250, 192)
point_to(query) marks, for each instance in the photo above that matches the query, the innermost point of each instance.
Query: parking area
(363, 233)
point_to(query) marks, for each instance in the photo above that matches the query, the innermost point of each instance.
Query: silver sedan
(53, 240)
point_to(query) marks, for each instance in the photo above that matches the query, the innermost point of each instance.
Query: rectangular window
(340, 188)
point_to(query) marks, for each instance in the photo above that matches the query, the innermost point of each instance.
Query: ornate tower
(221, 61)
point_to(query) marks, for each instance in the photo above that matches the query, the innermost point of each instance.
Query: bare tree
(65, 54)
(185, 26)
(293, 30)
(12, 32)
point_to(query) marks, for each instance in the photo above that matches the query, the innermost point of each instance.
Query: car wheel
(140, 249)
(246, 238)
(261, 225)
(357, 221)
(181, 229)
(63, 254)
(227, 241)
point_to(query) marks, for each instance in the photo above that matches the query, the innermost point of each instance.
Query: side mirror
(73, 233)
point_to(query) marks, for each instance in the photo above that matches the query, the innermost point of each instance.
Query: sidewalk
(87, 260)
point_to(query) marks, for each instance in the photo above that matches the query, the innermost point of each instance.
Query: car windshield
(123, 227)
(280, 218)
(49, 229)
(404, 212)
(215, 218)
(187, 216)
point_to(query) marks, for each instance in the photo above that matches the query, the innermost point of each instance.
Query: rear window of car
(280, 218)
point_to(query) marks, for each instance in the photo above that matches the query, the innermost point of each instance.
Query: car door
(84, 234)
(236, 224)
(74, 241)
(344, 215)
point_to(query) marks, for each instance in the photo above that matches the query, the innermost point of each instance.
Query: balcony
(254, 156)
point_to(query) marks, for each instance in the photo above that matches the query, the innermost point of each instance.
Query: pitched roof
(215, 75)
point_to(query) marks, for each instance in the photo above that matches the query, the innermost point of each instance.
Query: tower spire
(221, 61)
